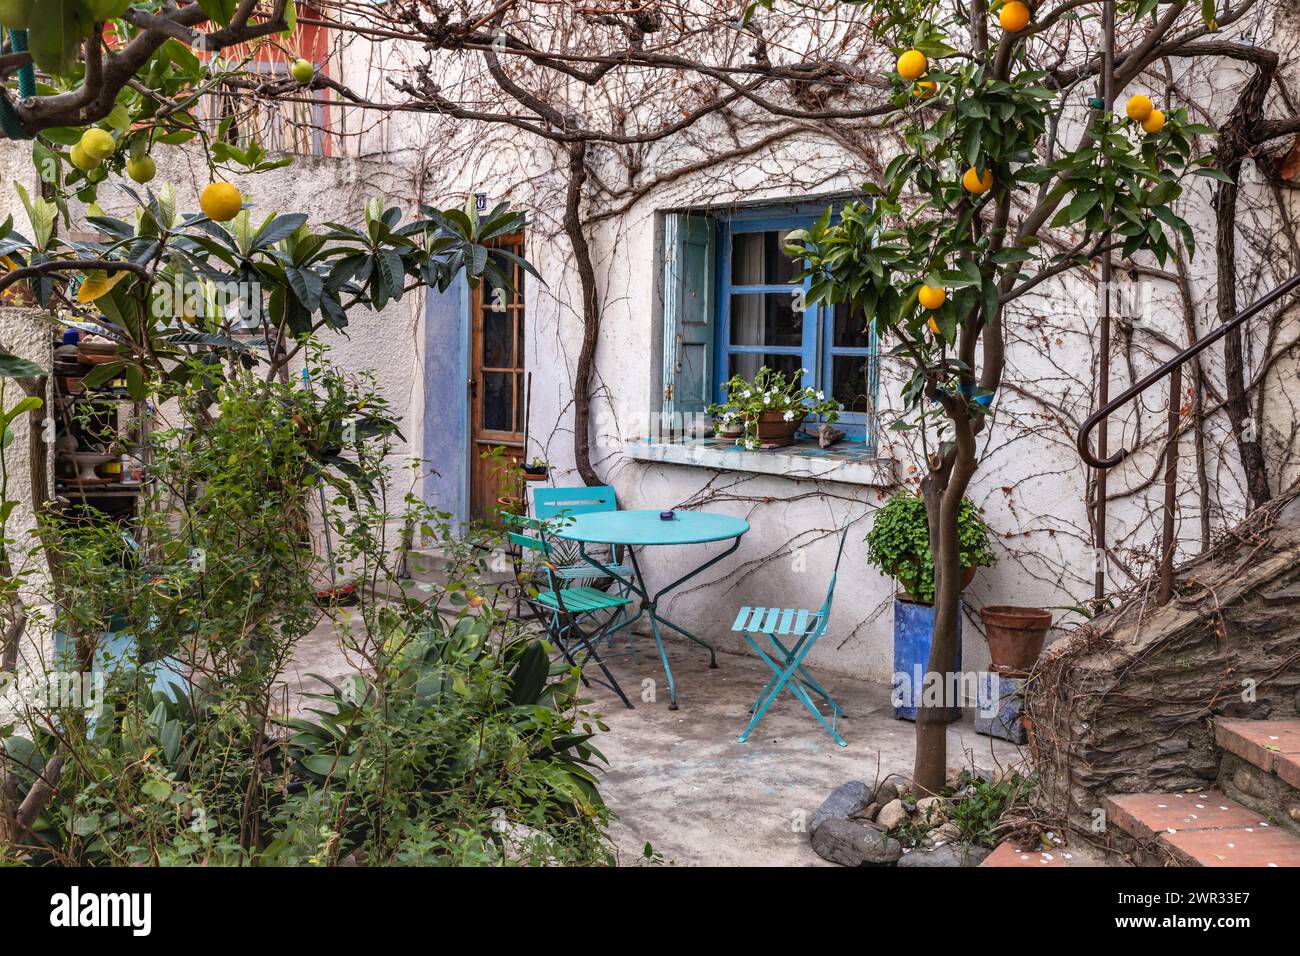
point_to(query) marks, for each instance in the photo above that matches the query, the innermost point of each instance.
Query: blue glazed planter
(913, 628)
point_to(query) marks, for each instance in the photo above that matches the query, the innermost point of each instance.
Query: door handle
(471, 387)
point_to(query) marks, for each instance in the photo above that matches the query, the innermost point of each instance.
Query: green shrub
(899, 543)
(461, 744)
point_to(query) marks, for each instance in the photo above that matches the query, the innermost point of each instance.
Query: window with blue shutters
(730, 303)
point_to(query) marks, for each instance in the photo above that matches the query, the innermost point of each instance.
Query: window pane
(850, 329)
(765, 318)
(758, 258)
(496, 338)
(748, 364)
(849, 382)
(498, 401)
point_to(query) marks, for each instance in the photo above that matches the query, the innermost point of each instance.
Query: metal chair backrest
(839, 556)
(553, 502)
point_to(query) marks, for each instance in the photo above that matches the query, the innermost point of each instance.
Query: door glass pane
(496, 338)
(758, 258)
(849, 382)
(850, 329)
(498, 401)
(765, 318)
(748, 364)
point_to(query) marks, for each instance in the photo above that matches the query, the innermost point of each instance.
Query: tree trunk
(590, 313)
(1245, 431)
(931, 760)
(1234, 146)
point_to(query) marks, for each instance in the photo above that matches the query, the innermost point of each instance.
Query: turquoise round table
(640, 529)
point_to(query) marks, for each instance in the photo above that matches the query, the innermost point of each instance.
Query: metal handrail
(1084, 445)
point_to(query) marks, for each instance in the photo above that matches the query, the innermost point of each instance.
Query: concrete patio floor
(681, 781)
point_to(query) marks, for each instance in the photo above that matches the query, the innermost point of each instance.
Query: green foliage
(982, 804)
(462, 744)
(899, 543)
(920, 226)
(276, 274)
(746, 401)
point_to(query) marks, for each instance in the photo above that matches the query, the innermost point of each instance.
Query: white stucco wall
(1031, 483)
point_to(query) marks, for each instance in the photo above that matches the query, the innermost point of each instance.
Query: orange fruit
(220, 202)
(912, 65)
(925, 88)
(1155, 122)
(931, 297)
(934, 326)
(1139, 107)
(1014, 16)
(974, 183)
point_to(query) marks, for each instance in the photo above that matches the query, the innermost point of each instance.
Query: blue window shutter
(688, 315)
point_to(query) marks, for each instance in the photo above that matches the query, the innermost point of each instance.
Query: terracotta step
(1261, 742)
(1260, 845)
(1204, 829)
(1147, 815)
(1008, 854)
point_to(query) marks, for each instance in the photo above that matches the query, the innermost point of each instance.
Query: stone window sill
(847, 462)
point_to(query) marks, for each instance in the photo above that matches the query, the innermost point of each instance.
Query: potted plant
(537, 470)
(1015, 636)
(769, 409)
(726, 422)
(899, 544)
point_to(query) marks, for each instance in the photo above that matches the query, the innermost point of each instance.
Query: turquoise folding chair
(802, 628)
(551, 504)
(564, 608)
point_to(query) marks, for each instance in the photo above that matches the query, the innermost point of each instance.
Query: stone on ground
(950, 854)
(855, 844)
(892, 814)
(846, 800)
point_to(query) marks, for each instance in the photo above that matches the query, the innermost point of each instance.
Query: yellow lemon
(142, 170)
(220, 202)
(974, 184)
(925, 88)
(81, 159)
(931, 297)
(912, 65)
(1155, 122)
(97, 143)
(1014, 16)
(1138, 107)
(302, 70)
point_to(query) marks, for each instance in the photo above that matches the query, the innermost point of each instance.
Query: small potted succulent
(770, 409)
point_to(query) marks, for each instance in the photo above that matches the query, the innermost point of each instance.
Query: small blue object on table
(641, 529)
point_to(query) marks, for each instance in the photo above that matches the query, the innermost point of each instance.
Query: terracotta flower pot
(1015, 636)
(774, 431)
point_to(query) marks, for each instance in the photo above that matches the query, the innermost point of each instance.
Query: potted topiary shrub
(899, 545)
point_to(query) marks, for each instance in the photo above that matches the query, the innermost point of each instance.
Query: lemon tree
(951, 233)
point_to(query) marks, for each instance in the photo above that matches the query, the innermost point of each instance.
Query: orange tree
(996, 152)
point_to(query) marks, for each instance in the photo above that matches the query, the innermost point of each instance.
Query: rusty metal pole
(1167, 540)
(1103, 359)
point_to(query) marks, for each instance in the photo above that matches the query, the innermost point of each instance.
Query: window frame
(817, 349)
